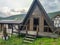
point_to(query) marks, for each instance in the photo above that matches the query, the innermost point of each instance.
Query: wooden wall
(37, 14)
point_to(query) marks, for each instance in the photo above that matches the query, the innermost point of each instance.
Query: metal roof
(10, 21)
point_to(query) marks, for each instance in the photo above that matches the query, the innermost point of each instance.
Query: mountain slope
(22, 16)
(15, 17)
(53, 14)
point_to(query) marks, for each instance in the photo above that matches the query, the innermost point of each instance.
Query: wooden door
(35, 23)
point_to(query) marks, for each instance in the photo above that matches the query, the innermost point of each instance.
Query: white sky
(11, 7)
(15, 4)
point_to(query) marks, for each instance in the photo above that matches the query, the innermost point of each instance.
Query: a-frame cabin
(37, 20)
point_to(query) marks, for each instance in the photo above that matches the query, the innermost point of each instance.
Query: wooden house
(36, 22)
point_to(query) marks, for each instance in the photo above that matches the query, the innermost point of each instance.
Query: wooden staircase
(28, 39)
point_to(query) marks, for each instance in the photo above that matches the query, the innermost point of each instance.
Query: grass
(14, 40)
(46, 41)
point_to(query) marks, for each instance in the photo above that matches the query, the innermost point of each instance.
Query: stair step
(28, 39)
(29, 36)
(25, 41)
(24, 44)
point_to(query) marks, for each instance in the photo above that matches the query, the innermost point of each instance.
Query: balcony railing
(25, 27)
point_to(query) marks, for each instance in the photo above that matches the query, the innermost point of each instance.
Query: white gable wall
(57, 21)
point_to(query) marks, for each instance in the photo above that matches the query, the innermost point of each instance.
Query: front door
(35, 24)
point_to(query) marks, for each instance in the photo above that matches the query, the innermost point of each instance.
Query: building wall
(9, 30)
(56, 21)
(37, 14)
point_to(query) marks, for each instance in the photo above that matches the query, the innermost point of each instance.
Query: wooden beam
(31, 23)
(41, 23)
(12, 28)
(37, 30)
(26, 30)
(5, 35)
(0, 27)
(46, 26)
(18, 30)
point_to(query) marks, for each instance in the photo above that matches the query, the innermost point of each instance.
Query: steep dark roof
(10, 22)
(37, 2)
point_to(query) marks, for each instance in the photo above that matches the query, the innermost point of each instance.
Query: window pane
(56, 25)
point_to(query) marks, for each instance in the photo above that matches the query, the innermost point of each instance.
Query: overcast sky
(11, 7)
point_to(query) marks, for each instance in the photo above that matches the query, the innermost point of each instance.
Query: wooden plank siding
(37, 11)
(41, 24)
(31, 23)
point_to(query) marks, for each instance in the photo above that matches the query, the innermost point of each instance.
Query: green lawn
(14, 40)
(46, 41)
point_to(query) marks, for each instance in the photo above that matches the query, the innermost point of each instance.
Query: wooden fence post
(5, 35)
(1, 27)
(37, 30)
(12, 28)
(26, 30)
(19, 26)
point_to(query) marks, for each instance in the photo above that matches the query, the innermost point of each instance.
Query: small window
(36, 21)
(9, 26)
(45, 29)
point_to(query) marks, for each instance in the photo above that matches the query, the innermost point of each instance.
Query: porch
(36, 32)
(43, 34)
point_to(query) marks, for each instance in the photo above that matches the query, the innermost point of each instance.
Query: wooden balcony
(38, 33)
